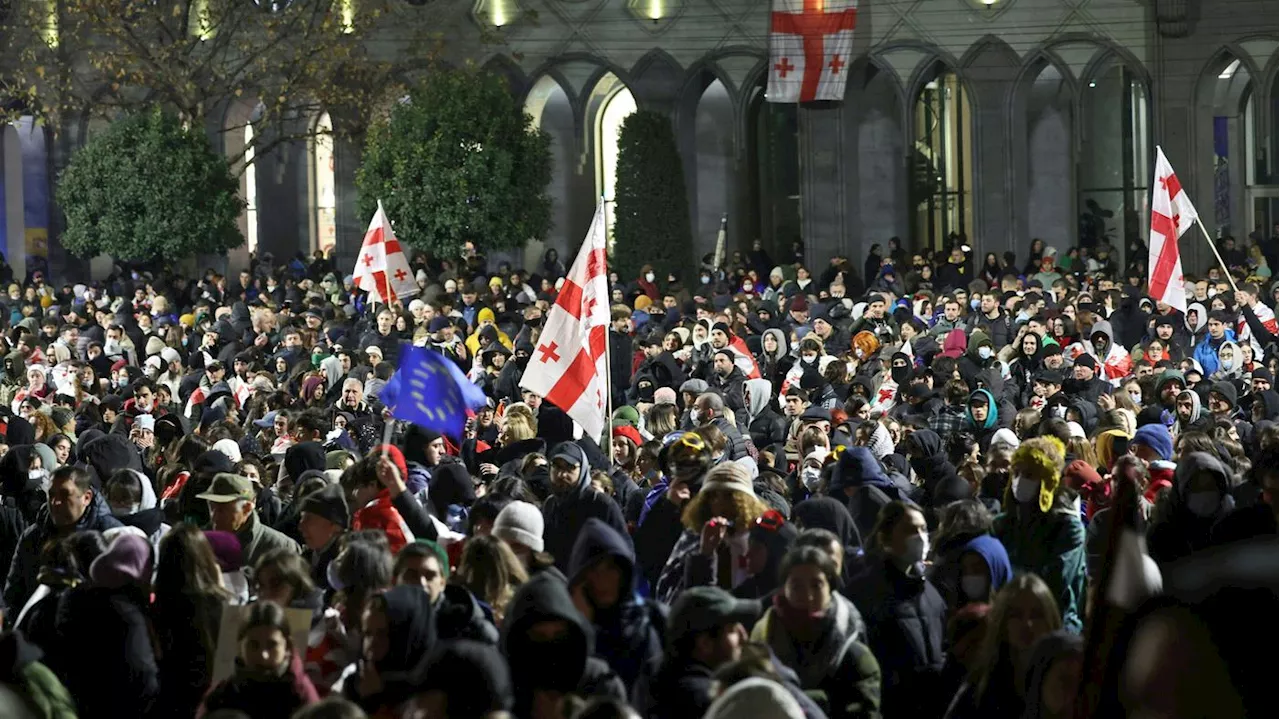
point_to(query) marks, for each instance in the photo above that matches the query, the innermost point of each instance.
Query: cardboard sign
(233, 618)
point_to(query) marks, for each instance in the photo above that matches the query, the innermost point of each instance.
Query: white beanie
(228, 447)
(520, 523)
(755, 698)
(1005, 437)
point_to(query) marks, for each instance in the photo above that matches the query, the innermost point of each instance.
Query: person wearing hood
(658, 365)
(1185, 517)
(132, 500)
(601, 579)
(1114, 362)
(982, 417)
(929, 463)
(861, 482)
(398, 631)
(573, 501)
(548, 646)
(820, 635)
(1230, 363)
(119, 676)
(1189, 413)
(73, 506)
(1041, 529)
(775, 358)
(765, 425)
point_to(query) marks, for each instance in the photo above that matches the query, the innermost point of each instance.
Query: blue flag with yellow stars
(430, 391)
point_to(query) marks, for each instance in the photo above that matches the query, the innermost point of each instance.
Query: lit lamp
(655, 10)
(497, 13)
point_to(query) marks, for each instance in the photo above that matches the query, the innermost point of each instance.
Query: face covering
(1203, 504)
(40, 475)
(648, 277)
(1136, 397)
(706, 280)
(1228, 365)
(693, 416)
(975, 303)
(915, 550)
(974, 586)
(810, 476)
(1025, 489)
(985, 352)
(808, 359)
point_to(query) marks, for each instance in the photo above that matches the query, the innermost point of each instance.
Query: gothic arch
(1042, 120)
(507, 69)
(550, 104)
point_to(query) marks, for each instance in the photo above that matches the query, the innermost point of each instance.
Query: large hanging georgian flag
(568, 365)
(1171, 214)
(381, 268)
(810, 43)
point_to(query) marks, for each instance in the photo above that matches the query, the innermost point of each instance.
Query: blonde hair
(519, 427)
(993, 654)
(490, 570)
(746, 508)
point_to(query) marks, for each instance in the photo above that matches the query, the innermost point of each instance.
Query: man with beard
(659, 366)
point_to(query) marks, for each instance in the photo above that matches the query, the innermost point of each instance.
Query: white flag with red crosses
(1171, 215)
(810, 48)
(568, 363)
(382, 270)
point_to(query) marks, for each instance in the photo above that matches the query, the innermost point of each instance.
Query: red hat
(118, 365)
(1079, 474)
(799, 304)
(396, 457)
(629, 432)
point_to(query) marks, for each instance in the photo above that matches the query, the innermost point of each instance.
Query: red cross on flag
(810, 43)
(1171, 214)
(568, 365)
(381, 267)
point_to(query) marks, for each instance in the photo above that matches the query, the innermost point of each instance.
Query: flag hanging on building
(430, 391)
(381, 268)
(568, 363)
(810, 47)
(1171, 214)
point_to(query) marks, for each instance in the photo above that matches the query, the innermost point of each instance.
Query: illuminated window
(326, 192)
(615, 110)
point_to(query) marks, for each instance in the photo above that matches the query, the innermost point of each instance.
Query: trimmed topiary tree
(651, 209)
(459, 161)
(147, 189)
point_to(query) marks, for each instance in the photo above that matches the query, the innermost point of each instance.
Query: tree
(458, 162)
(147, 188)
(651, 209)
(294, 58)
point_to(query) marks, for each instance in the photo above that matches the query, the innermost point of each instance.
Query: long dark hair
(187, 565)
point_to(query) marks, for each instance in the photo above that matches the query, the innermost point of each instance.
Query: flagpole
(1214, 247)
(608, 361)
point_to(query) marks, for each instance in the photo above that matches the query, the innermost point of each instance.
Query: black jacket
(186, 630)
(25, 569)
(768, 428)
(731, 389)
(565, 514)
(104, 653)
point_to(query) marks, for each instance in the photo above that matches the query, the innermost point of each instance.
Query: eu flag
(430, 391)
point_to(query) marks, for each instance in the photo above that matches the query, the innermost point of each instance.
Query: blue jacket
(1206, 352)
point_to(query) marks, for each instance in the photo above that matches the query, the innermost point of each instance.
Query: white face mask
(1203, 504)
(1025, 489)
(974, 586)
(1136, 397)
(648, 277)
(810, 476)
(693, 416)
(809, 359)
(916, 549)
(985, 352)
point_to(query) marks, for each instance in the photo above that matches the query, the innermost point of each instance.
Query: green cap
(227, 487)
(701, 609)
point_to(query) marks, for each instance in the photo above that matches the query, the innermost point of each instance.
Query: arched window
(618, 104)
(942, 160)
(1115, 160)
(250, 191)
(326, 198)
(773, 131)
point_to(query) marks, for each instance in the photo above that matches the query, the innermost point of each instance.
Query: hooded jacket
(1114, 361)
(411, 634)
(872, 489)
(628, 635)
(766, 426)
(929, 462)
(566, 665)
(564, 514)
(1176, 530)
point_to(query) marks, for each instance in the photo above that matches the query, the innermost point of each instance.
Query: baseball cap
(701, 609)
(227, 487)
(267, 420)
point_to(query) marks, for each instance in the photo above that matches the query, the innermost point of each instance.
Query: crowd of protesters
(905, 489)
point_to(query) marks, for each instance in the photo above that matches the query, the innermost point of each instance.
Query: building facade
(1000, 120)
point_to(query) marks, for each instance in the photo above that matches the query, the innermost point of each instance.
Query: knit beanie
(520, 523)
(328, 503)
(1157, 437)
(729, 476)
(126, 561)
(755, 698)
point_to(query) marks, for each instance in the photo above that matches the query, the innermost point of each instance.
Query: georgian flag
(381, 268)
(1171, 214)
(568, 365)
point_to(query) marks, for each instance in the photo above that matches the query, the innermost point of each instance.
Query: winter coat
(119, 676)
(25, 569)
(766, 426)
(629, 635)
(257, 540)
(565, 514)
(872, 489)
(186, 629)
(566, 666)
(46, 697)
(1176, 532)
(659, 530)
(906, 621)
(1050, 545)
(260, 698)
(836, 664)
